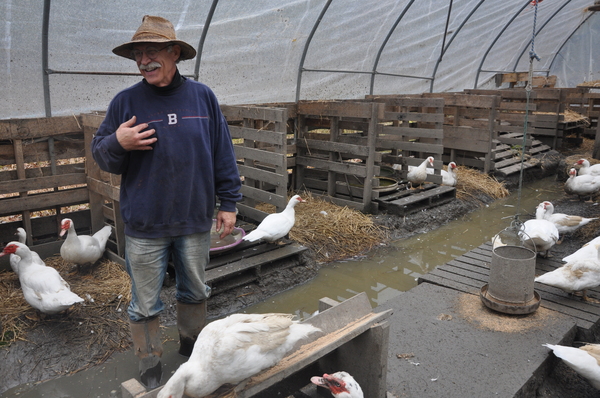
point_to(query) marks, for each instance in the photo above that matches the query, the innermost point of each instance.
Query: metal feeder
(512, 274)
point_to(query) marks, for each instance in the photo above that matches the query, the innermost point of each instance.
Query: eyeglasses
(151, 52)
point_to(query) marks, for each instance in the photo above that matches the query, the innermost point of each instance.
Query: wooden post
(596, 151)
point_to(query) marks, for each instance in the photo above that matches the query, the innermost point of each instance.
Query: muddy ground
(57, 347)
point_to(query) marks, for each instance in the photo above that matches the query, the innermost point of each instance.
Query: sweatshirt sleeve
(227, 177)
(106, 150)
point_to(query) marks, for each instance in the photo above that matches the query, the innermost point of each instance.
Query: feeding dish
(386, 184)
(218, 245)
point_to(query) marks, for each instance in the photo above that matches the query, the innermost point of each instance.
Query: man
(167, 137)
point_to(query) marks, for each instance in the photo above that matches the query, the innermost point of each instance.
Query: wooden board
(469, 272)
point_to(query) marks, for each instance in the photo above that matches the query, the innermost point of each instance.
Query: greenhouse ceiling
(58, 59)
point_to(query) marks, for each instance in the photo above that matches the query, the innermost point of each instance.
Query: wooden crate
(260, 135)
(337, 138)
(43, 172)
(521, 79)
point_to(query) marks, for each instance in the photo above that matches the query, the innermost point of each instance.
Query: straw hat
(155, 30)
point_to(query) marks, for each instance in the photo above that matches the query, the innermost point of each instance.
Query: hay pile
(101, 320)
(332, 232)
(471, 183)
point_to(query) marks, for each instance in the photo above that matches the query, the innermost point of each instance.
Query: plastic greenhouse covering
(57, 55)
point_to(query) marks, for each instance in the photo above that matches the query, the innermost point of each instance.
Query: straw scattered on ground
(332, 232)
(99, 320)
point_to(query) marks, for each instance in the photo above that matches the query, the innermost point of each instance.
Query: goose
(539, 235)
(43, 287)
(587, 250)
(583, 360)
(586, 169)
(340, 384)
(418, 175)
(564, 223)
(14, 259)
(82, 249)
(577, 275)
(234, 348)
(276, 225)
(583, 185)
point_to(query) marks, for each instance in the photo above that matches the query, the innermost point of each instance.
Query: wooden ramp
(469, 272)
(352, 338)
(407, 201)
(508, 158)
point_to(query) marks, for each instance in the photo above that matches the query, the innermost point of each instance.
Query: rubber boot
(191, 319)
(147, 346)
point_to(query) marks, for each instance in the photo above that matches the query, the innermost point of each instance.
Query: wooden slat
(45, 201)
(38, 183)
(270, 137)
(38, 127)
(238, 112)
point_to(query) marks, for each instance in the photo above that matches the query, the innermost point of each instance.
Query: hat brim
(124, 50)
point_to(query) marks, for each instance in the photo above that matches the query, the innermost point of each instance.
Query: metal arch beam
(384, 43)
(439, 60)
(538, 32)
(568, 38)
(45, 76)
(496, 40)
(209, 17)
(308, 41)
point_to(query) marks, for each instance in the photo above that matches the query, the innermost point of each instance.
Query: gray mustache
(151, 65)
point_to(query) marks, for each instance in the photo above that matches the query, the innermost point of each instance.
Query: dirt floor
(49, 352)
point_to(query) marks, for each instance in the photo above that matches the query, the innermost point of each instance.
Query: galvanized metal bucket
(512, 275)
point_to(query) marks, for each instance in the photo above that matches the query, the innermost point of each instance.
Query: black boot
(148, 348)
(191, 319)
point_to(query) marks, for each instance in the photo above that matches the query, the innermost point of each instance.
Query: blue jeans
(147, 261)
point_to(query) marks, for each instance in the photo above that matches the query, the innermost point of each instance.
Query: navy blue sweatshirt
(170, 190)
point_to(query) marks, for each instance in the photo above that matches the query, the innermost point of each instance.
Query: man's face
(156, 63)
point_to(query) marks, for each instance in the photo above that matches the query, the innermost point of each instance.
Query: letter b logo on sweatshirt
(172, 118)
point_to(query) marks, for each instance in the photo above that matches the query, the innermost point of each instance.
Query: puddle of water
(382, 275)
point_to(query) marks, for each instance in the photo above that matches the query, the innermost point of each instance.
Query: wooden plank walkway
(469, 272)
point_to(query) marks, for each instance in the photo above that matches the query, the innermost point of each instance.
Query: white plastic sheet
(254, 50)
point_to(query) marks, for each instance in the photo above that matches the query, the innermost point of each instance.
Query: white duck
(15, 259)
(82, 249)
(340, 384)
(575, 276)
(586, 169)
(583, 185)
(232, 349)
(276, 225)
(449, 177)
(587, 250)
(417, 176)
(564, 223)
(43, 287)
(584, 360)
(539, 235)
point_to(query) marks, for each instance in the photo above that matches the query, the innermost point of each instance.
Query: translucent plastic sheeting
(262, 51)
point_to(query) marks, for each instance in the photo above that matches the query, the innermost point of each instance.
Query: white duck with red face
(43, 287)
(340, 384)
(15, 259)
(586, 169)
(277, 225)
(564, 223)
(82, 249)
(418, 175)
(449, 177)
(582, 185)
